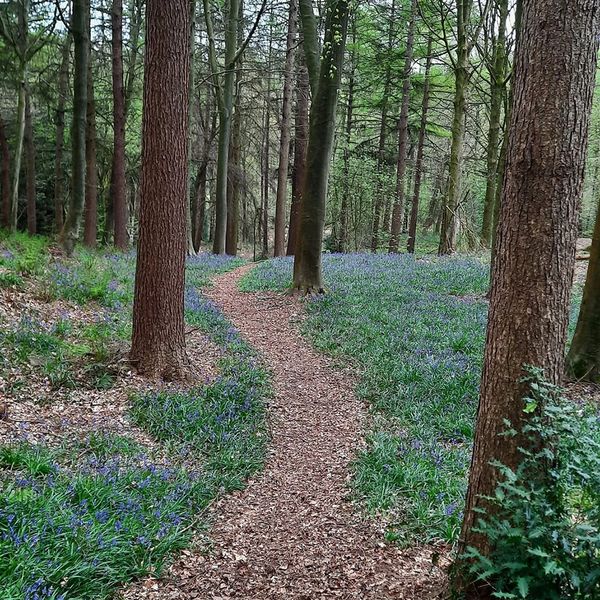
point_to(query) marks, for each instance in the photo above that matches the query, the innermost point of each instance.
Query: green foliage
(24, 255)
(543, 522)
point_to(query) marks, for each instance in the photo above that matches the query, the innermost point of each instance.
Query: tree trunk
(531, 289)
(30, 167)
(70, 232)
(379, 193)
(284, 140)
(497, 95)
(4, 175)
(118, 193)
(63, 84)
(191, 198)
(414, 212)
(398, 211)
(90, 213)
(158, 340)
(307, 263)
(300, 147)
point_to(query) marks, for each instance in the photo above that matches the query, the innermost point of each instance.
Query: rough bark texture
(398, 210)
(414, 212)
(30, 167)
(63, 84)
(70, 232)
(284, 139)
(90, 211)
(117, 187)
(529, 306)
(497, 95)
(4, 175)
(158, 344)
(307, 263)
(300, 147)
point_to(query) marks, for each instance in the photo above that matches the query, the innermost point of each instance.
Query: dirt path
(292, 533)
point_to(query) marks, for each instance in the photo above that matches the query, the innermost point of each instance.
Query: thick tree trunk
(300, 147)
(63, 84)
(30, 168)
(4, 175)
(158, 341)
(555, 64)
(70, 232)
(90, 212)
(398, 210)
(284, 140)
(118, 192)
(497, 95)
(414, 212)
(307, 263)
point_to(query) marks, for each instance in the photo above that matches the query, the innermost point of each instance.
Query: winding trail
(293, 533)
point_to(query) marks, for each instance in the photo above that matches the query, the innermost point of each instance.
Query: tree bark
(70, 232)
(300, 147)
(118, 191)
(555, 64)
(284, 140)
(90, 212)
(414, 212)
(398, 210)
(30, 167)
(4, 175)
(158, 340)
(497, 95)
(63, 84)
(307, 264)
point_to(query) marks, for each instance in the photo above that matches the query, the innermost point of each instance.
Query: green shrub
(545, 526)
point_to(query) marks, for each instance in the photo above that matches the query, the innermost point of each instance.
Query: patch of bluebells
(415, 328)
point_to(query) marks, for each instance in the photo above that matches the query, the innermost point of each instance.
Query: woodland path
(293, 533)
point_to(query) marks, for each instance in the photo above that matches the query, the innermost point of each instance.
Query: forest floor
(294, 532)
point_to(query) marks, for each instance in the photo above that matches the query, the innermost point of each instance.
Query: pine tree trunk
(4, 175)
(118, 193)
(284, 140)
(307, 264)
(300, 147)
(90, 212)
(70, 232)
(398, 210)
(63, 84)
(414, 212)
(30, 167)
(497, 95)
(531, 283)
(158, 341)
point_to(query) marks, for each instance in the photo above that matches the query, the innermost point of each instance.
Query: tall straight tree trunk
(191, 197)
(30, 167)
(398, 211)
(531, 282)
(379, 193)
(300, 147)
(117, 188)
(267, 152)
(70, 232)
(307, 263)
(414, 212)
(284, 139)
(158, 340)
(4, 175)
(345, 205)
(63, 84)
(90, 211)
(497, 95)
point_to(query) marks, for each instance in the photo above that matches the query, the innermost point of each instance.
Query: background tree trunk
(527, 324)
(158, 340)
(284, 141)
(30, 168)
(307, 263)
(4, 175)
(90, 213)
